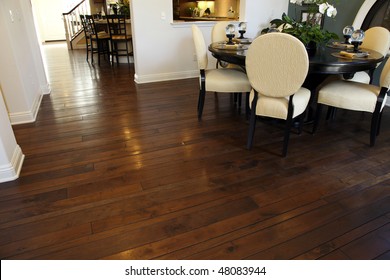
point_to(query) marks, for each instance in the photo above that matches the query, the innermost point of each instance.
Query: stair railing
(72, 22)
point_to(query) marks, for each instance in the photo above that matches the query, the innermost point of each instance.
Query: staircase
(73, 28)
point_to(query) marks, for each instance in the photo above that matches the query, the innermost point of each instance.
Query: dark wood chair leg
(379, 124)
(287, 129)
(374, 128)
(302, 118)
(92, 50)
(202, 93)
(376, 116)
(252, 123)
(331, 113)
(247, 109)
(99, 50)
(127, 52)
(317, 117)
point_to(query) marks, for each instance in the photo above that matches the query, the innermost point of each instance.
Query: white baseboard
(45, 89)
(28, 116)
(11, 171)
(142, 79)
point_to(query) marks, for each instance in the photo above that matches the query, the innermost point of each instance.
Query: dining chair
(378, 39)
(356, 96)
(87, 36)
(218, 34)
(215, 80)
(277, 65)
(120, 37)
(99, 41)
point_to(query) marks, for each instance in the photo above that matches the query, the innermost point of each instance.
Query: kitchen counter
(208, 18)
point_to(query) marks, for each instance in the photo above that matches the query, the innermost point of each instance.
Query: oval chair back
(378, 39)
(277, 64)
(200, 47)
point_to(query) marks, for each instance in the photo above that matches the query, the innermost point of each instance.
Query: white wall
(22, 73)
(48, 15)
(164, 51)
(11, 156)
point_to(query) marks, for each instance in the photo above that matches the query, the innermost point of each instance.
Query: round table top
(325, 61)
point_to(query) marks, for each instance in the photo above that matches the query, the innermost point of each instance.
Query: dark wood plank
(116, 170)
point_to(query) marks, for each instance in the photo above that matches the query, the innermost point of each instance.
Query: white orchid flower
(331, 11)
(323, 7)
(297, 2)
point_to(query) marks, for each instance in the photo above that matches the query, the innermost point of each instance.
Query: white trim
(165, 77)
(11, 171)
(362, 13)
(28, 116)
(45, 89)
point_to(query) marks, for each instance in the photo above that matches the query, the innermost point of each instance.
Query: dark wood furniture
(116, 170)
(87, 35)
(99, 41)
(120, 37)
(322, 62)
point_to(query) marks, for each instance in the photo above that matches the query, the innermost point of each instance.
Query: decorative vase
(311, 48)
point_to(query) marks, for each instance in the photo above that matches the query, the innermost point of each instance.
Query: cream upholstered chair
(357, 96)
(215, 80)
(378, 39)
(218, 32)
(277, 65)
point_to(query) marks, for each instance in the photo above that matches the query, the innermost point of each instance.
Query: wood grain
(118, 170)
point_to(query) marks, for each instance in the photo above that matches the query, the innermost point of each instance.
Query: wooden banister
(72, 22)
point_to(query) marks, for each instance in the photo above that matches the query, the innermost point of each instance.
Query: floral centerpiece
(309, 30)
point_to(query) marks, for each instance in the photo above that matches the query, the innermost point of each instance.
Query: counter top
(211, 18)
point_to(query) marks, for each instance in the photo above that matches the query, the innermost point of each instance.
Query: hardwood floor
(115, 170)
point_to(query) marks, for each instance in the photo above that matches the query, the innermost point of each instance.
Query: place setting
(236, 44)
(350, 47)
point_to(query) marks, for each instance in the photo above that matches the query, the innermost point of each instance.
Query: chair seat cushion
(227, 80)
(360, 77)
(278, 107)
(121, 37)
(349, 95)
(101, 35)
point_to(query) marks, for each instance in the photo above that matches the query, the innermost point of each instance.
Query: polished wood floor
(115, 170)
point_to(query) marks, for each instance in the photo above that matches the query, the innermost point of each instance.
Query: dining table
(327, 60)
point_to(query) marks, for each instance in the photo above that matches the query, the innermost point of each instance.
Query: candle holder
(230, 33)
(357, 38)
(347, 32)
(242, 29)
